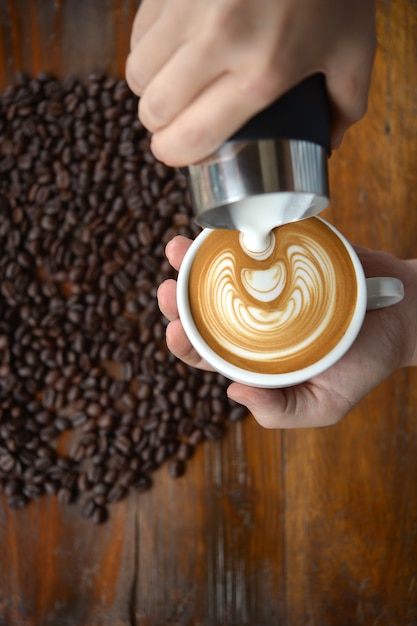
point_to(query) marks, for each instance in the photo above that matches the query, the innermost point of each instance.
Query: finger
(145, 17)
(208, 121)
(167, 301)
(348, 94)
(192, 68)
(279, 408)
(272, 408)
(175, 250)
(180, 346)
(156, 45)
(348, 101)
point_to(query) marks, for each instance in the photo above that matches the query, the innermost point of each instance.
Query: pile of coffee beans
(91, 401)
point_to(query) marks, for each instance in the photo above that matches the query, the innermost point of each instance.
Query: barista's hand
(387, 341)
(203, 69)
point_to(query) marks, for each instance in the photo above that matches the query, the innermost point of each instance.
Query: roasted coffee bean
(196, 437)
(100, 489)
(164, 430)
(110, 477)
(185, 451)
(123, 444)
(95, 474)
(144, 391)
(99, 515)
(83, 484)
(48, 433)
(161, 454)
(78, 419)
(105, 421)
(7, 462)
(88, 508)
(185, 427)
(176, 468)
(69, 479)
(42, 464)
(94, 409)
(237, 413)
(85, 213)
(116, 493)
(62, 423)
(17, 501)
(127, 478)
(150, 424)
(213, 431)
(43, 451)
(13, 487)
(65, 495)
(143, 483)
(51, 486)
(32, 491)
(64, 463)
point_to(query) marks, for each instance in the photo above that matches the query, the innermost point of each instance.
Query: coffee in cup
(278, 316)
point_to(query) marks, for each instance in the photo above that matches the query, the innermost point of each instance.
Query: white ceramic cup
(372, 293)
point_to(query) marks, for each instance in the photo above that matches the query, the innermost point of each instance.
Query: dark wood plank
(210, 548)
(57, 568)
(64, 37)
(351, 498)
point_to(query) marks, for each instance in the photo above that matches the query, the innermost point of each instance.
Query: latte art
(264, 285)
(278, 314)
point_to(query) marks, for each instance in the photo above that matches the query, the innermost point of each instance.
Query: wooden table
(316, 527)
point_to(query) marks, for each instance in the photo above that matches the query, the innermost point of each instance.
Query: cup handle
(383, 291)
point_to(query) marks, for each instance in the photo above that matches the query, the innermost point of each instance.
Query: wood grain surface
(316, 527)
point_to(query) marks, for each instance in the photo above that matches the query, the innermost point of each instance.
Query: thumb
(268, 406)
(302, 406)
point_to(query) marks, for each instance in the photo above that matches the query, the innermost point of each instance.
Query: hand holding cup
(386, 341)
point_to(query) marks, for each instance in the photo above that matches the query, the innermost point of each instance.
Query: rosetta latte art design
(279, 314)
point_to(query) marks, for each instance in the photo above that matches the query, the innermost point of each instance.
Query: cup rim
(257, 379)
